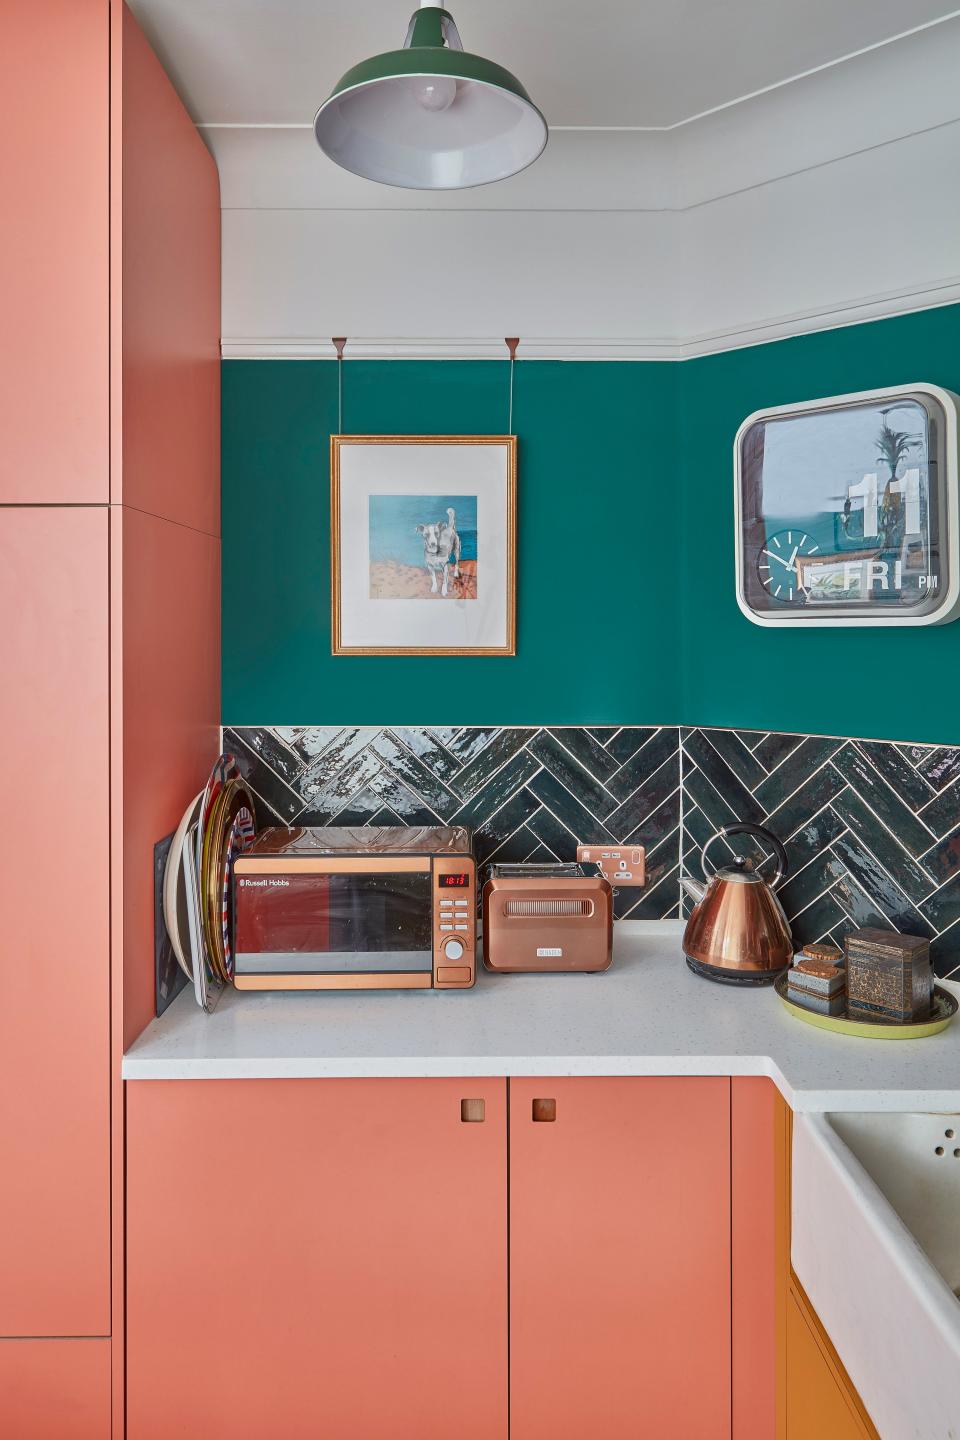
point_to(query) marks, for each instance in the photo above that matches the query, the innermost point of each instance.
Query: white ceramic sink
(876, 1245)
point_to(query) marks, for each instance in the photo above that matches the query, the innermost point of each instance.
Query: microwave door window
(334, 924)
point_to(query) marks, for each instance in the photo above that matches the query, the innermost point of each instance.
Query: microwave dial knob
(453, 950)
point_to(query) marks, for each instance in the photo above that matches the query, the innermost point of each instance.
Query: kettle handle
(783, 864)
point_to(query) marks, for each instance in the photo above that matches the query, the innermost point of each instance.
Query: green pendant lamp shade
(430, 116)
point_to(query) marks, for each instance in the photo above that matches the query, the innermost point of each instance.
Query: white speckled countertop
(647, 1015)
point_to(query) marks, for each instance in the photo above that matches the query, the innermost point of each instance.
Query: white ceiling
(591, 63)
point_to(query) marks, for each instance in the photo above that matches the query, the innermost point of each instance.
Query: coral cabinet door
(55, 252)
(620, 1259)
(54, 904)
(316, 1258)
(55, 1389)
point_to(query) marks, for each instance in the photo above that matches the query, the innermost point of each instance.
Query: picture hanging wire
(338, 342)
(511, 343)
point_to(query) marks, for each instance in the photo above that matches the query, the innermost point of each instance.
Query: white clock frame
(949, 606)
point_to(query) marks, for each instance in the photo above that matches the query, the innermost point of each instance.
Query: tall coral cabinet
(109, 650)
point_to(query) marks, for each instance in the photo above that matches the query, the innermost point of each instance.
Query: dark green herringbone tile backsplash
(872, 829)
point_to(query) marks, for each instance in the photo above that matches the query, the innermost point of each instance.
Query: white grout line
(680, 827)
(265, 763)
(786, 760)
(952, 926)
(405, 749)
(953, 784)
(858, 746)
(884, 826)
(826, 735)
(604, 784)
(852, 880)
(814, 901)
(670, 875)
(563, 824)
(649, 740)
(263, 801)
(707, 781)
(577, 761)
(644, 782)
(795, 874)
(816, 815)
(516, 830)
(508, 798)
(535, 730)
(630, 839)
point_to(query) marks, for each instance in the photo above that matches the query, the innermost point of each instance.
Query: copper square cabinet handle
(544, 1111)
(473, 1112)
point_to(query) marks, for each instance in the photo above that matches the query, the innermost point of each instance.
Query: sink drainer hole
(948, 1134)
(939, 1150)
(956, 1154)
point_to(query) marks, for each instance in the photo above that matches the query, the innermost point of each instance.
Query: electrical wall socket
(620, 864)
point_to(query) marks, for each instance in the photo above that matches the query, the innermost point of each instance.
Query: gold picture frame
(339, 444)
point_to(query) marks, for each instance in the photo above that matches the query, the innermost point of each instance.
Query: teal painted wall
(595, 444)
(900, 684)
(625, 506)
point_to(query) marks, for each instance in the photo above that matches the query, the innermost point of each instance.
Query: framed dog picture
(423, 544)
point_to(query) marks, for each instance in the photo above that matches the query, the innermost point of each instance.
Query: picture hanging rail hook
(511, 342)
(338, 342)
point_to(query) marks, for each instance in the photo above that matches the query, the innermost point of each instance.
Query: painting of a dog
(441, 544)
(423, 552)
(423, 547)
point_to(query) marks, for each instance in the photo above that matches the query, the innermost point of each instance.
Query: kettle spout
(694, 888)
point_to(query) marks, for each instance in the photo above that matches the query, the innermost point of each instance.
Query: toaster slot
(545, 909)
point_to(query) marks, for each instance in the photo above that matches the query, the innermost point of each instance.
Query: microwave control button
(446, 904)
(453, 950)
(446, 927)
(454, 974)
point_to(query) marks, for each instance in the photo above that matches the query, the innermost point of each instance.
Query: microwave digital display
(459, 882)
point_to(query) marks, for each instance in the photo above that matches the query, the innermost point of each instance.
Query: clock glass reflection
(841, 509)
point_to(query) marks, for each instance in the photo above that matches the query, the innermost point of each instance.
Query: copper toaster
(547, 917)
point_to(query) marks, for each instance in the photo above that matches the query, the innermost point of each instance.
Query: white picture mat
(460, 469)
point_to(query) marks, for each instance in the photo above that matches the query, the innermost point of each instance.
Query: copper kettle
(737, 932)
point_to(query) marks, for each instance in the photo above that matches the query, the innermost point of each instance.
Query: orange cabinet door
(821, 1402)
(54, 898)
(313, 1258)
(620, 1259)
(55, 1389)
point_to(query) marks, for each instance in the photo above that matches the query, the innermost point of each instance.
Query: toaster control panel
(620, 864)
(454, 921)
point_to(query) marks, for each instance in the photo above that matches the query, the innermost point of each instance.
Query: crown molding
(597, 348)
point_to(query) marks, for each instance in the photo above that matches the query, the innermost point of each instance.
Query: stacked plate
(217, 826)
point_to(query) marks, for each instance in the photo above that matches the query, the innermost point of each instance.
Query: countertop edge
(507, 1066)
(286, 1067)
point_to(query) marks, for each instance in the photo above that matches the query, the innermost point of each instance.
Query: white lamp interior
(383, 130)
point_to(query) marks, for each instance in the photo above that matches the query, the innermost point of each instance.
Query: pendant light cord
(511, 343)
(338, 343)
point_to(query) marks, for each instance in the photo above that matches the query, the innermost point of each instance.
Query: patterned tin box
(889, 976)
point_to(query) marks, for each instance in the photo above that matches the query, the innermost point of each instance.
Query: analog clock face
(780, 564)
(847, 510)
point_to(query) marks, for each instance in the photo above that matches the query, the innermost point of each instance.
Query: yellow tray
(944, 1008)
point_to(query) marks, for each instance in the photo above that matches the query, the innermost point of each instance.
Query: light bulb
(435, 92)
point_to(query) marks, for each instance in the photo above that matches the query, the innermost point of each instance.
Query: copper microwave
(356, 909)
